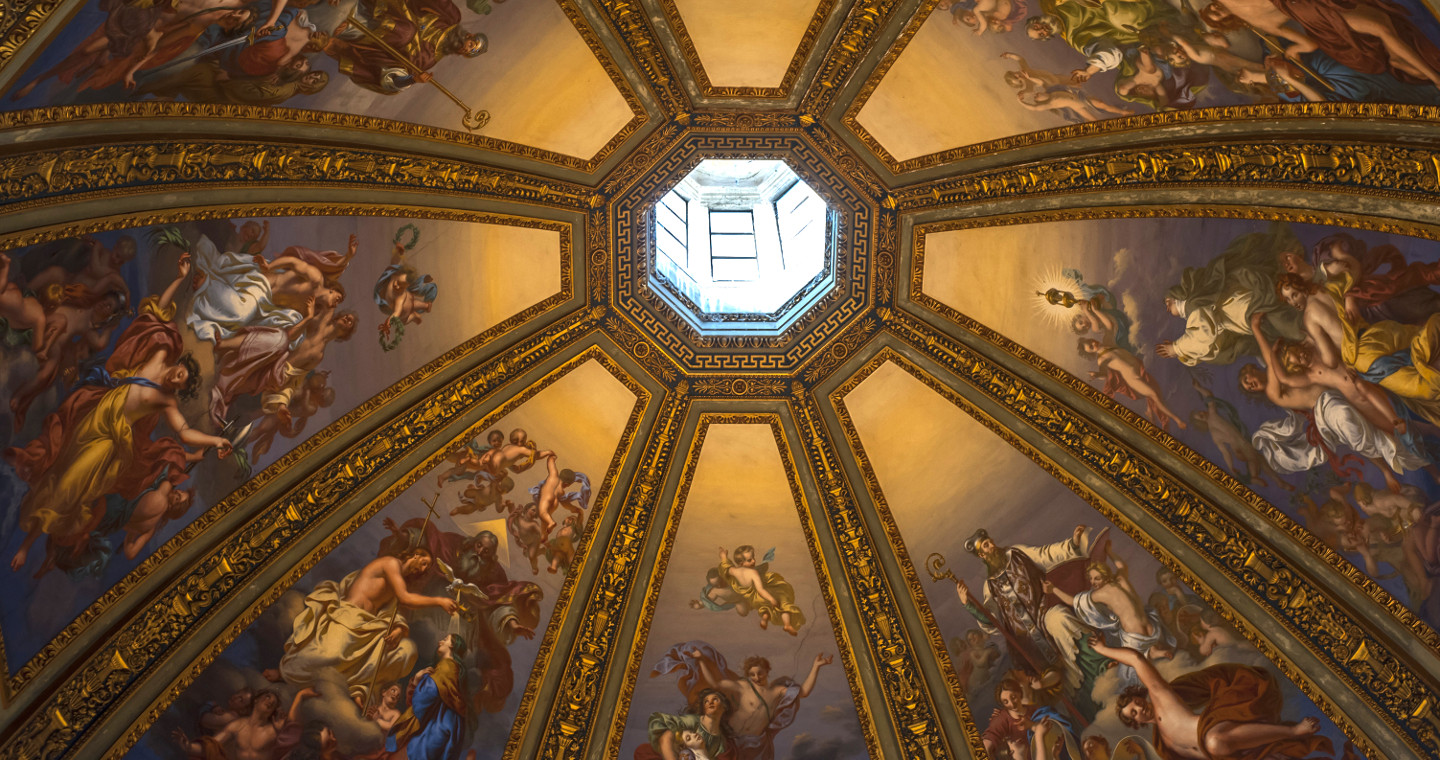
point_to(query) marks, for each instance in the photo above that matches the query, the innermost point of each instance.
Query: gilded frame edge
(653, 585)
(372, 507)
(829, 316)
(1102, 506)
(1126, 124)
(691, 57)
(15, 683)
(39, 116)
(1213, 472)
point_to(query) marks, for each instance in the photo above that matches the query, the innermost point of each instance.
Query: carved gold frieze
(1400, 171)
(807, 44)
(15, 682)
(1217, 474)
(891, 646)
(70, 174)
(667, 545)
(857, 35)
(55, 726)
(1333, 633)
(33, 14)
(575, 718)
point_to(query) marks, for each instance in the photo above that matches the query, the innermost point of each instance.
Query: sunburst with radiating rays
(1055, 314)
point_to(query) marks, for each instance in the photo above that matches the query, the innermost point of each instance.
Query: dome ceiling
(338, 385)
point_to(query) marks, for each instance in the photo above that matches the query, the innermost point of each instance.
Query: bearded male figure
(424, 31)
(354, 627)
(1042, 633)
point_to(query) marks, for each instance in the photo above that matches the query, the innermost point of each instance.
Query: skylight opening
(741, 237)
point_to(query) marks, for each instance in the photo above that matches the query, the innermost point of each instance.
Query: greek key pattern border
(657, 319)
(1377, 675)
(1214, 472)
(17, 681)
(548, 641)
(53, 729)
(667, 545)
(574, 718)
(808, 40)
(908, 705)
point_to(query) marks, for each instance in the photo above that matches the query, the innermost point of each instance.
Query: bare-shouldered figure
(384, 579)
(756, 697)
(1178, 728)
(253, 736)
(1319, 315)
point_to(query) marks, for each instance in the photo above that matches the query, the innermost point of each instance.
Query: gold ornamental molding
(1069, 480)
(14, 683)
(807, 45)
(631, 25)
(54, 727)
(53, 177)
(1357, 167)
(861, 29)
(891, 645)
(1384, 679)
(575, 718)
(19, 22)
(151, 109)
(667, 545)
(1259, 114)
(1256, 503)
(398, 486)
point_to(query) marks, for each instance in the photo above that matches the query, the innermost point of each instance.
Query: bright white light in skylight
(740, 237)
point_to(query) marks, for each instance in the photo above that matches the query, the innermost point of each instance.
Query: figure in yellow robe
(1398, 357)
(764, 591)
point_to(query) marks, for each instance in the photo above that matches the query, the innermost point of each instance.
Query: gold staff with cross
(472, 119)
(395, 611)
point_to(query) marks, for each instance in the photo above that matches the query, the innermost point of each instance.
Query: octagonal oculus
(742, 246)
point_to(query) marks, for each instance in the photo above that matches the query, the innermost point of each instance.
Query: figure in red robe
(99, 441)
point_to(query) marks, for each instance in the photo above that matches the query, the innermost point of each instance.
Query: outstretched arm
(1061, 594)
(403, 594)
(809, 685)
(182, 271)
(1150, 678)
(708, 671)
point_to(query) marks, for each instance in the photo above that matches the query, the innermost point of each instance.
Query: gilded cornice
(1144, 540)
(808, 40)
(862, 27)
(575, 717)
(667, 545)
(631, 25)
(1385, 680)
(1362, 168)
(1264, 114)
(50, 177)
(293, 575)
(15, 682)
(1144, 427)
(18, 23)
(154, 109)
(56, 726)
(890, 645)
